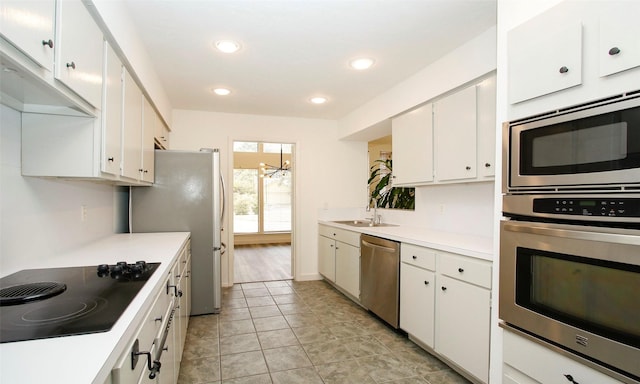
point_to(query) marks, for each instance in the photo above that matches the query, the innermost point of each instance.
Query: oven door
(575, 287)
(597, 147)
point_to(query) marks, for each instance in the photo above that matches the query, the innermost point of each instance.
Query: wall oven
(576, 287)
(570, 237)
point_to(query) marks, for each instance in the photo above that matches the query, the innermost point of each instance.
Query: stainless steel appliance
(594, 146)
(53, 302)
(570, 240)
(188, 195)
(380, 277)
(576, 288)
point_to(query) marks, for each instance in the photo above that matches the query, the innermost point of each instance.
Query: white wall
(328, 173)
(40, 218)
(463, 65)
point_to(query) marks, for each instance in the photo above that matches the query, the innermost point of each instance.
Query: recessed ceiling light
(221, 91)
(318, 100)
(361, 64)
(227, 46)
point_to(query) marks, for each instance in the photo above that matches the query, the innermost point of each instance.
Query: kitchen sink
(362, 223)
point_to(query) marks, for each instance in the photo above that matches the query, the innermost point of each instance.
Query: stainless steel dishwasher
(380, 277)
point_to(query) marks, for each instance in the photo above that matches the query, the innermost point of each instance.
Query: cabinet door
(111, 113)
(148, 130)
(327, 258)
(348, 268)
(455, 136)
(417, 302)
(29, 25)
(486, 115)
(132, 129)
(412, 147)
(619, 46)
(543, 56)
(463, 325)
(79, 51)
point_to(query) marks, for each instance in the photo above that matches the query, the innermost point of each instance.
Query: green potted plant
(384, 193)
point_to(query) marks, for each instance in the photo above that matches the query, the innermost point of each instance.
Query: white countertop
(89, 358)
(467, 245)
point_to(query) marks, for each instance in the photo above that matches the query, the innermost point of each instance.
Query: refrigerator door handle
(222, 248)
(224, 200)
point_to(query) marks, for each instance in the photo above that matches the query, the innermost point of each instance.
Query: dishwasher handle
(381, 247)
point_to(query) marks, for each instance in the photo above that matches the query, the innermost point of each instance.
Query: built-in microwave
(592, 147)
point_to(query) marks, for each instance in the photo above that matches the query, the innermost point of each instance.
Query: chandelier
(268, 170)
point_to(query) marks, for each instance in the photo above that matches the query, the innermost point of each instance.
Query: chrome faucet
(375, 219)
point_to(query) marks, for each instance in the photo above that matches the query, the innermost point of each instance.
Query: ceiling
(294, 50)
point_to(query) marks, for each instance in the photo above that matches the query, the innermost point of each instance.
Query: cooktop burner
(53, 302)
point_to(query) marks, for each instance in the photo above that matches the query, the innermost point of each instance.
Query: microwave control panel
(609, 207)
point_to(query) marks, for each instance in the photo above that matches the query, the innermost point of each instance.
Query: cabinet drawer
(146, 336)
(339, 234)
(466, 269)
(418, 256)
(534, 363)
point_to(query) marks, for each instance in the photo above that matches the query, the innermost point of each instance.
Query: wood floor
(262, 262)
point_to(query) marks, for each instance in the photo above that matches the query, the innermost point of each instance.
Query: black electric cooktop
(53, 302)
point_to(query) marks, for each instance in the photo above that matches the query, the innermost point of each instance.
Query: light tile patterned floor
(298, 333)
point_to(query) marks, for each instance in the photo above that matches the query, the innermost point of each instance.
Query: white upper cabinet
(573, 53)
(149, 121)
(112, 113)
(79, 51)
(455, 136)
(543, 57)
(619, 45)
(486, 120)
(412, 147)
(29, 25)
(452, 140)
(132, 129)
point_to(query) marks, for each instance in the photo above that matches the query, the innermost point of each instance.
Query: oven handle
(591, 234)
(156, 363)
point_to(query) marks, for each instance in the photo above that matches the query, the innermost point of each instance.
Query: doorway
(262, 211)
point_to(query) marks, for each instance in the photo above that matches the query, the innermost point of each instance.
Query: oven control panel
(608, 207)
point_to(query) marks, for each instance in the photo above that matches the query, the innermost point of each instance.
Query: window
(245, 200)
(261, 205)
(245, 146)
(276, 203)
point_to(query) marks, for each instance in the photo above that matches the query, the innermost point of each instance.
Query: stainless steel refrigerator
(187, 195)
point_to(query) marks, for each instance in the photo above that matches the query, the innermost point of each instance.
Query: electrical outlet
(441, 208)
(83, 213)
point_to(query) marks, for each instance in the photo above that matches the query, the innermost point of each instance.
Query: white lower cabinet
(348, 268)
(527, 362)
(445, 305)
(327, 258)
(171, 309)
(339, 258)
(463, 325)
(417, 293)
(463, 312)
